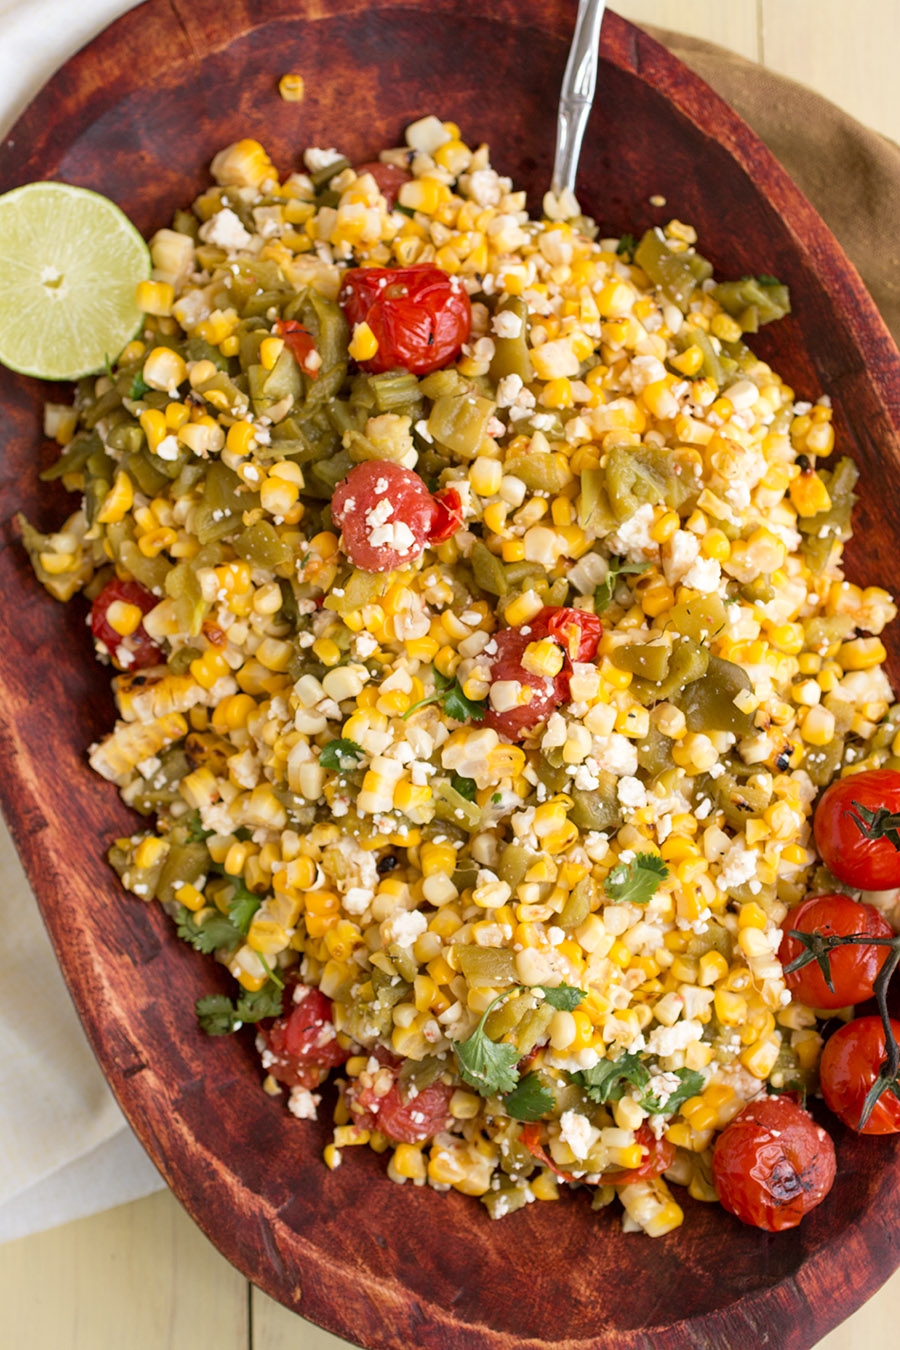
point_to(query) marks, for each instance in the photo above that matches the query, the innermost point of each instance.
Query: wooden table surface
(143, 1277)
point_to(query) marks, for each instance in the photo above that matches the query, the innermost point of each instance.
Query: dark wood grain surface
(386, 1266)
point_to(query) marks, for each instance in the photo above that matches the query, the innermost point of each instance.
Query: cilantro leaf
(448, 692)
(765, 279)
(242, 906)
(213, 933)
(603, 594)
(529, 1099)
(637, 881)
(218, 1016)
(609, 1079)
(341, 755)
(626, 246)
(139, 387)
(196, 832)
(690, 1083)
(496, 797)
(464, 786)
(487, 1066)
(564, 997)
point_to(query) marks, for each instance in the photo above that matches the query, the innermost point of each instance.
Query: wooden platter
(138, 115)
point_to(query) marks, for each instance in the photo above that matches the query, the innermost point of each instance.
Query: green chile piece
(766, 300)
(260, 544)
(654, 752)
(533, 1027)
(593, 503)
(700, 618)
(459, 422)
(599, 809)
(676, 274)
(708, 703)
(515, 861)
(488, 570)
(540, 472)
(450, 805)
(649, 660)
(484, 967)
(638, 474)
(578, 904)
(511, 356)
(506, 1200)
(687, 663)
(183, 865)
(183, 587)
(696, 337)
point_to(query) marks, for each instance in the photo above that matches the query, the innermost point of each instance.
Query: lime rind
(70, 263)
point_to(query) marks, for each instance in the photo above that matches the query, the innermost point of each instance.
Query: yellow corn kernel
(209, 668)
(716, 545)
(544, 657)
(267, 937)
(190, 897)
(243, 164)
(331, 1157)
(512, 550)
(731, 1008)
(665, 527)
(409, 1162)
(759, 1059)
(861, 654)
(724, 327)
(688, 362)
(155, 297)
(495, 517)
(291, 88)
(269, 351)
(437, 858)
(544, 1186)
(154, 426)
(808, 494)
(150, 851)
(558, 393)
(485, 476)
(787, 638)
(818, 727)
(752, 916)
(154, 541)
(619, 954)
(363, 344)
(164, 369)
(712, 968)
(232, 713)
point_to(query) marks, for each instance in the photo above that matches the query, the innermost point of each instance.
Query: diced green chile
(488, 570)
(459, 421)
(486, 966)
(687, 663)
(511, 355)
(708, 703)
(676, 274)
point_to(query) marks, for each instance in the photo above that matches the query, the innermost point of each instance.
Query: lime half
(70, 261)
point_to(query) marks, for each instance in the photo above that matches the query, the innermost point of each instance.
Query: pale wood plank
(276, 1328)
(844, 52)
(874, 1324)
(733, 25)
(139, 1277)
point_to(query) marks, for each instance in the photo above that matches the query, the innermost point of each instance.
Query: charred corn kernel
(155, 297)
(363, 344)
(291, 88)
(154, 426)
(712, 968)
(164, 369)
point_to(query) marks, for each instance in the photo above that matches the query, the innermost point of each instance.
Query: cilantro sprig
(490, 1066)
(626, 246)
(636, 881)
(609, 1080)
(139, 387)
(529, 1099)
(219, 1016)
(341, 754)
(448, 692)
(220, 930)
(603, 593)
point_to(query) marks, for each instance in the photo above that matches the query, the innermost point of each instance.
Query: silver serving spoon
(576, 94)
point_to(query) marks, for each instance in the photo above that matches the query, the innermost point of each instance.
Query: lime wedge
(70, 261)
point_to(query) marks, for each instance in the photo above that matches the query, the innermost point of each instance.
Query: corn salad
(595, 903)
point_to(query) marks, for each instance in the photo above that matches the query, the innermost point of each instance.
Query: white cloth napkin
(65, 1148)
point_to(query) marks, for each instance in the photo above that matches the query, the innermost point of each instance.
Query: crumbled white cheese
(225, 230)
(578, 1132)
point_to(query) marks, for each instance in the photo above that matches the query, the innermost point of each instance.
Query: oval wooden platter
(138, 115)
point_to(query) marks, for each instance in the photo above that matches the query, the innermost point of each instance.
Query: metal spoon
(577, 94)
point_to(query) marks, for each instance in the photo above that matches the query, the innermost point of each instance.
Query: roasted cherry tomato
(137, 650)
(389, 177)
(853, 968)
(577, 631)
(505, 651)
(386, 515)
(420, 316)
(448, 516)
(850, 1063)
(853, 828)
(301, 343)
(406, 1120)
(773, 1164)
(300, 1047)
(659, 1155)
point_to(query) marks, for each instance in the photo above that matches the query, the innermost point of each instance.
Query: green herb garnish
(139, 387)
(341, 755)
(637, 881)
(603, 593)
(218, 1016)
(529, 1099)
(487, 1066)
(214, 933)
(464, 786)
(448, 692)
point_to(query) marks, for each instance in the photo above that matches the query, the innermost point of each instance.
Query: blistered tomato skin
(849, 1066)
(853, 968)
(577, 631)
(409, 1121)
(505, 650)
(773, 1164)
(385, 514)
(300, 1048)
(872, 864)
(137, 651)
(420, 316)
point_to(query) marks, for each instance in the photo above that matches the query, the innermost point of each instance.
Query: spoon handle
(577, 93)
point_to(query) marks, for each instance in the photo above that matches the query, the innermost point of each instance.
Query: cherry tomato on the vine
(853, 967)
(389, 177)
(772, 1164)
(420, 316)
(300, 1047)
(135, 650)
(301, 343)
(853, 829)
(387, 516)
(848, 1068)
